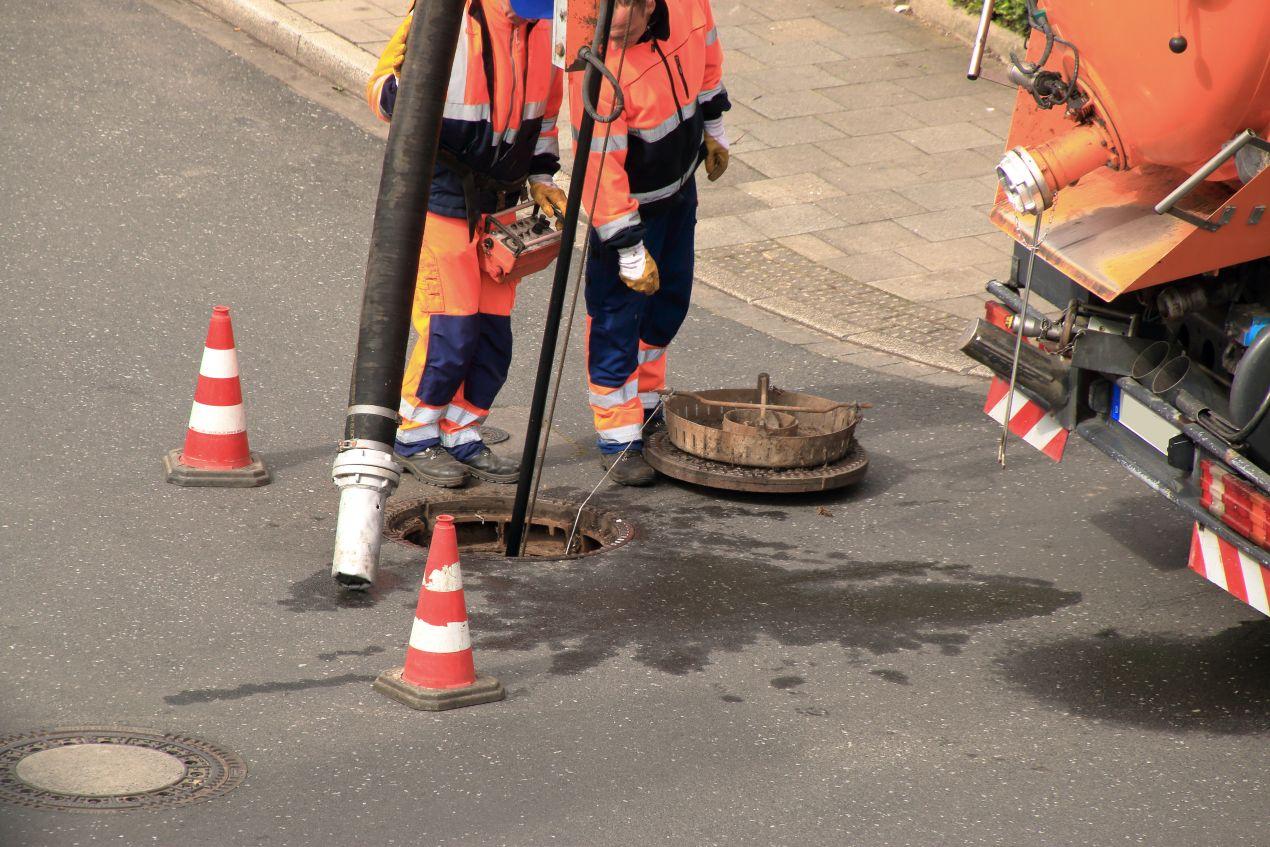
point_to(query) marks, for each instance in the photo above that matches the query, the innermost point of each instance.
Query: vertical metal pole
(364, 469)
(981, 40)
(555, 305)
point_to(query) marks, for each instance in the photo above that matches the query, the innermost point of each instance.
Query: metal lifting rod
(555, 306)
(364, 468)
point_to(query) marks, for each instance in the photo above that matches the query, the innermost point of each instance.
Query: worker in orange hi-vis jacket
(498, 133)
(640, 262)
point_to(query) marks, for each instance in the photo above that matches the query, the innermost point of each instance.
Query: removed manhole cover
(101, 768)
(480, 521)
(494, 435)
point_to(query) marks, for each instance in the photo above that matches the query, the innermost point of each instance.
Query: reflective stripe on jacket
(513, 137)
(672, 83)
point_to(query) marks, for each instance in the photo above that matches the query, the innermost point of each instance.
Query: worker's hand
(716, 158)
(395, 53)
(637, 269)
(550, 199)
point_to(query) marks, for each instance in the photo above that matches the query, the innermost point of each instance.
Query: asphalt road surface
(948, 654)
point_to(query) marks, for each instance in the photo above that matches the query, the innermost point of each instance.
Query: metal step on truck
(1136, 185)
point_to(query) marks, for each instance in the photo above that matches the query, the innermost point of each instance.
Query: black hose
(397, 232)
(1253, 422)
(555, 305)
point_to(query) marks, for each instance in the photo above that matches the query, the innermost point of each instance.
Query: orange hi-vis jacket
(500, 107)
(672, 84)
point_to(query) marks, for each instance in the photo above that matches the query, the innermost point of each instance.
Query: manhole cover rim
(396, 512)
(214, 771)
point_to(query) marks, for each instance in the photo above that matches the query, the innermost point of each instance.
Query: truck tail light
(1240, 506)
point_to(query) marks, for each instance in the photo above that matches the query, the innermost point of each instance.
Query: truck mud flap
(1029, 420)
(1230, 569)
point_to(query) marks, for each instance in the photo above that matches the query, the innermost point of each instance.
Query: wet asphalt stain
(898, 677)
(207, 695)
(710, 589)
(784, 683)
(372, 650)
(321, 593)
(1216, 684)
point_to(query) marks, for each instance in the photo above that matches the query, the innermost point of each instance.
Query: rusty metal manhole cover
(668, 459)
(110, 768)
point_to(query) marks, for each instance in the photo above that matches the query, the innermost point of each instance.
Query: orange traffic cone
(439, 673)
(216, 451)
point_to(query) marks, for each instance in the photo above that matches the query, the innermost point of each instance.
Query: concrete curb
(956, 22)
(298, 38)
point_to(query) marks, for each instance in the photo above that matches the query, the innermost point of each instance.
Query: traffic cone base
(486, 689)
(250, 476)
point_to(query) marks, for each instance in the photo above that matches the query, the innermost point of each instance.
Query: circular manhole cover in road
(100, 768)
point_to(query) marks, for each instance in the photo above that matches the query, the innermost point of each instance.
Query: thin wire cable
(541, 458)
(568, 542)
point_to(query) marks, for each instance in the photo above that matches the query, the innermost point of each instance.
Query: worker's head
(630, 20)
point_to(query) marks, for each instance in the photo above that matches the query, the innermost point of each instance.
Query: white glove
(637, 269)
(718, 132)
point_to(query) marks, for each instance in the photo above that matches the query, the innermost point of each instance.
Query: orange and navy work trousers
(463, 347)
(628, 332)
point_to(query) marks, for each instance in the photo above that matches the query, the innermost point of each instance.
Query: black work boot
(435, 466)
(491, 467)
(629, 468)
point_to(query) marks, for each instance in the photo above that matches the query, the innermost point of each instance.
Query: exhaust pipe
(1148, 363)
(1040, 375)
(1181, 382)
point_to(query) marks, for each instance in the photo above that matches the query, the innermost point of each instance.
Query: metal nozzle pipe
(1041, 375)
(365, 478)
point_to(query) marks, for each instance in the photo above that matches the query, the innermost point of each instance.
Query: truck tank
(1139, 130)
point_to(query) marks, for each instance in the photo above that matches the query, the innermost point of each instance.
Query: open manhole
(480, 522)
(99, 768)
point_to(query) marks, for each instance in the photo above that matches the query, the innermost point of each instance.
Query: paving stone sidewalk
(862, 169)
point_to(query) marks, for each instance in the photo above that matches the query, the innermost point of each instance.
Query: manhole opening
(481, 522)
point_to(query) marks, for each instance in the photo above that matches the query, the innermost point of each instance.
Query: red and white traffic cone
(216, 451)
(439, 673)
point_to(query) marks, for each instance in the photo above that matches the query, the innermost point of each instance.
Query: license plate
(1136, 417)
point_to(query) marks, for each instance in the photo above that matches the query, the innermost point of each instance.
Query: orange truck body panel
(1163, 116)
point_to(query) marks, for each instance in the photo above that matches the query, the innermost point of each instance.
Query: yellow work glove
(637, 269)
(395, 53)
(716, 158)
(550, 199)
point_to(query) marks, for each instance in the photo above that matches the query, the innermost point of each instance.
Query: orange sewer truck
(1136, 183)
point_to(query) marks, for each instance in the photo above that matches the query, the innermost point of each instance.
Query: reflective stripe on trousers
(627, 332)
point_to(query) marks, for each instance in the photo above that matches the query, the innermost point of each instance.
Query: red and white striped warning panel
(1029, 420)
(1232, 570)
